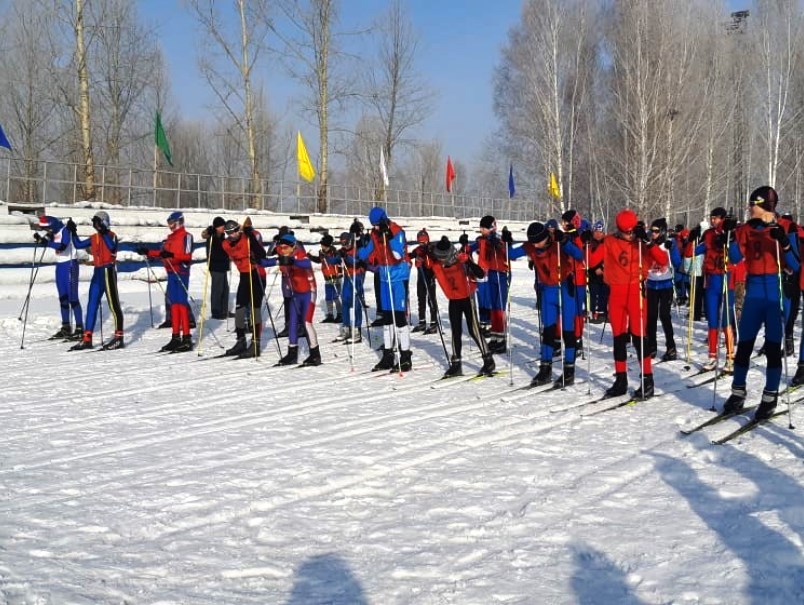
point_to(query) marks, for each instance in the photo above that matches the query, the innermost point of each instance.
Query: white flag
(383, 169)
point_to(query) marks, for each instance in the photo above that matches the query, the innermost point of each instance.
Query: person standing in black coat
(219, 264)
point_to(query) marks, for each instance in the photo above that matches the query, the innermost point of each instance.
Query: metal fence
(46, 182)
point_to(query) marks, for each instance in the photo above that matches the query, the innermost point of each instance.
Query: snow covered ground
(132, 477)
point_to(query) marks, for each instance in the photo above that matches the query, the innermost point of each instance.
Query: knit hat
(551, 224)
(218, 222)
(443, 251)
(766, 197)
(376, 215)
(537, 232)
(488, 222)
(660, 223)
(327, 240)
(718, 212)
(572, 217)
(598, 226)
(626, 220)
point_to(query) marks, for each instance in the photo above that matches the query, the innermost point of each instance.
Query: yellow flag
(552, 186)
(306, 170)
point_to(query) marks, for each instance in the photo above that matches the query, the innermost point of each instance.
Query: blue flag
(511, 188)
(3, 140)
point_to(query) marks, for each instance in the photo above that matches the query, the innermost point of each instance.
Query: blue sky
(459, 43)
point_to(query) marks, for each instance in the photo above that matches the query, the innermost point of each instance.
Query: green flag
(161, 139)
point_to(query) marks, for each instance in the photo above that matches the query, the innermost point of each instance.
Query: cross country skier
(492, 256)
(297, 268)
(388, 251)
(219, 264)
(456, 274)
(573, 225)
(333, 279)
(58, 238)
(103, 248)
(176, 253)
(719, 311)
(660, 292)
(598, 289)
(425, 286)
(552, 255)
(626, 257)
(765, 246)
(245, 249)
(352, 293)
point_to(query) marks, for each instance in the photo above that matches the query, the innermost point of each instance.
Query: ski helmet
(231, 227)
(765, 197)
(599, 226)
(376, 215)
(626, 220)
(288, 240)
(101, 217)
(423, 237)
(175, 217)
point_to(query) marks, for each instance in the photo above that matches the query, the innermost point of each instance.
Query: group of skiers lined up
(632, 275)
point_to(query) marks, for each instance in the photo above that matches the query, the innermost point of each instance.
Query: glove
(285, 261)
(695, 233)
(530, 265)
(463, 257)
(729, 223)
(40, 239)
(640, 233)
(141, 250)
(384, 227)
(208, 232)
(463, 240)
(165, 254)
(586, 236)
(777, 233)
(560, 236)
(72, 227)
(668, 244)
(248, 229)
(507, 237)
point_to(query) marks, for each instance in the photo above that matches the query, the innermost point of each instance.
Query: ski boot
(174, 343)
(378, 322)
(545, 375)
(620, 386)
(670, 354)
(405, 361)
(343, 334)
(767, 406)
(64, 332)
(355, 336)
(648, 392)
(455, 368)
(253, 350)
(386, 361)
(77, 334)
(567, 378)
(736, 401)
(431, 329)
(710, 364)
(85, 344)
(115, 343)
(185, 345)
(497, 345)
(165, 324)
(314, 359)
(291, 358)
(420, 327)
(329, 319)
(283, 333)
(789, 346)
(238, 348)
(488, 367)
(338, 318)
(798, 379)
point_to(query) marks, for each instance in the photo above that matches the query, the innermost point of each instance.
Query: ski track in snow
(129, 477)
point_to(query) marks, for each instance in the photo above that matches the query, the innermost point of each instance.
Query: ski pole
(431, 296)
(560, 311)
(781, 313)
(641, 325)
(35, 265)
(394, 328)
(586, 324)
(508, 344)
(722, 304)
(203, 295)
(273, 326)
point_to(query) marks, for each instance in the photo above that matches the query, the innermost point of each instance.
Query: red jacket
(454, 280)
(492, 254)
(620, 259)
(545, 262)
(180, 243)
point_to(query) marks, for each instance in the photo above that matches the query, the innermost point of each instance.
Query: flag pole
(156, 169)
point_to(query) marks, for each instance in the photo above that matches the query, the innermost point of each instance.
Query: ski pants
(713, 298)
(660, 302)
(302, 310)
(332, 295)
(426, 294)
(761, 308)
(484, 302)
(460, 309)
(353, 299)
(580, 310)
(627, 315)
(498, 300)
(219, 294)
(104, 281)
(551, 306)
(250, 285)
(598, 296)
(177, 284)
(67, 287)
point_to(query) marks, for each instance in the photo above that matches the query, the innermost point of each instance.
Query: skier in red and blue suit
(103, 247)
(573, 225)
(352, 296)
(551, 252)
(492, 256)
(387, 251)
(176, 253)
(767, 251)
(57, 237)
(297, 269)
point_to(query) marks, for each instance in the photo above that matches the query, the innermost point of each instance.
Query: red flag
(450, 174)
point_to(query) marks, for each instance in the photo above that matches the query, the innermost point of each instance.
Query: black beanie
(218, 222)
(718, 212)
(444, 243)
(487, 222)
(537, 232)
(659, 223)
(327, 240)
